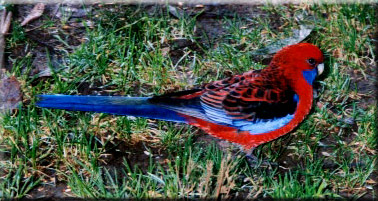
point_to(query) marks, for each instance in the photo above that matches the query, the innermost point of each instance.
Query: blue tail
(130, 106)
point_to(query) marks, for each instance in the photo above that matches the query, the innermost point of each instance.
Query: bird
(248, 109)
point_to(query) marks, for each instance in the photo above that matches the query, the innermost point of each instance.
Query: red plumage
(270, 85)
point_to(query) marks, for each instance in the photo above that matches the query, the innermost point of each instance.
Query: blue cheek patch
(296, 98)
(310, 75)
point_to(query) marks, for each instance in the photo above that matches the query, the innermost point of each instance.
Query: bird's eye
(311, 61)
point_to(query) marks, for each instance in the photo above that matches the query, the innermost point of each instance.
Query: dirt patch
(134, 154)
(46, 39)
(211, 24)
(365, 87)
(51, 192)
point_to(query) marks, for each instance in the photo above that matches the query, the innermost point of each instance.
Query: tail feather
(130, 106)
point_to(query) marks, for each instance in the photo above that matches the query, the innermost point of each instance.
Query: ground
(149, 50)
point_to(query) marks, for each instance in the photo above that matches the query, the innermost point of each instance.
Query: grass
(125, 53)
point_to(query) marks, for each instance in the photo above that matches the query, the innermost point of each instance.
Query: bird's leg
(254, 161)
(249, 154)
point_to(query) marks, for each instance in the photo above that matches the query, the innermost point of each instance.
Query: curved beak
(320, 68)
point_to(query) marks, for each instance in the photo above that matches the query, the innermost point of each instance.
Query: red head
(295, 59)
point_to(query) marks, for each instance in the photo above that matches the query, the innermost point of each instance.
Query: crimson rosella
(249, 109)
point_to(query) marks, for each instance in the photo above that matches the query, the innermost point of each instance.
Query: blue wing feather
(163, 108)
